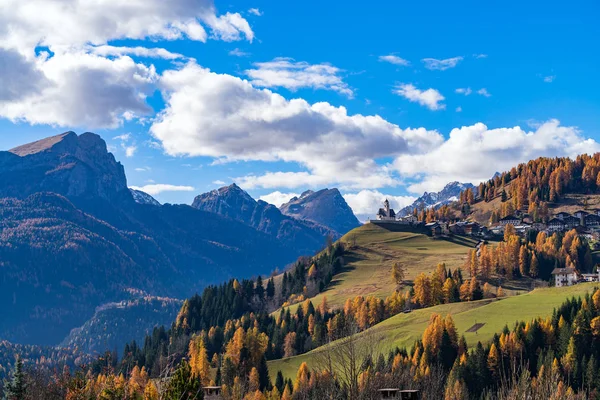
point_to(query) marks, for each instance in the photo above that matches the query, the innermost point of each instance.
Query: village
(586, 223)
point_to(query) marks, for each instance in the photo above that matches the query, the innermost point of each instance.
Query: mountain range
(234, 203)
(448, 194)
(74, 237)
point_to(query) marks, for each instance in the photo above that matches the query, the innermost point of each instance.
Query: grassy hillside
(372, 250)
(403, 329)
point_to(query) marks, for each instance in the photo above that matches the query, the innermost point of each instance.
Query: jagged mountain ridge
(233, 202)
(326, 207)
(143, 197)
(448, 194)
(72, 237)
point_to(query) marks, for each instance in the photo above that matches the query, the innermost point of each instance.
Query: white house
(409, 219)
(564, 276)
(510, 219)
(595, 277)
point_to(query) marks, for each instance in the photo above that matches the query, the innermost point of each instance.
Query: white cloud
(459, 109)
(123, 137)
(479, 56)
(550, 78)
(218, 182)
(429, 98)
(155, 52)
(255, 11)
(365, 203)
(80, 89)
(225, 117)
(441, 65)
(19, 78)
(143, 169)
(157, 188)
(238, 53)
(127, 144)
(292, 75)
(392, 59)
(484, 92)
(65, 24)
(130, 150)
(465, 91)
(474, 153)
(277, 198)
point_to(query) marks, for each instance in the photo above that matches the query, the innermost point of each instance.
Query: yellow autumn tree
(150, 392)
(286, 394)
(302, 378)
(500, 292)
(493, 360)
(235, 345)
(199, 365)
(253, 380)
(422, 289)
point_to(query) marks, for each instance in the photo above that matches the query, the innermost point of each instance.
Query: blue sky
(252, 91)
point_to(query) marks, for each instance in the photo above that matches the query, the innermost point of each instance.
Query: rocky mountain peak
(326, 207)
(447, 195)
(69, 164)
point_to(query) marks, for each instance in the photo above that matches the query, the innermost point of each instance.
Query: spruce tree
(16, 388)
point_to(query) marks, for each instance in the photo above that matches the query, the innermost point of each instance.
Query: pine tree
(16, 388)
(270, 288)
(182, 386)
(279, 382)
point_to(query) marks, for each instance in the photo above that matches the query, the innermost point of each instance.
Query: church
(386, 213)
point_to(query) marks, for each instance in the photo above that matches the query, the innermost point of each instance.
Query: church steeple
(386, 206)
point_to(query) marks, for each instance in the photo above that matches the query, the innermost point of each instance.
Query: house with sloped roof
(564, 276)
(556, 225)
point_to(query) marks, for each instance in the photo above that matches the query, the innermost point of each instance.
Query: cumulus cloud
(255, 11)
(365, 203)
(465, 91)
(429, 98)
(484, 92)
(153, 52)
(474, 153)
(157, 188)
(19, 77)
(238, 53)
(441, 65)
(127, 144)
(62, 24)
(277, 198)
(218, 182)
(227, 118)
(392, 59)
(81, 89)
(292, 75)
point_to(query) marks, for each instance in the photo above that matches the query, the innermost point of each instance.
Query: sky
(381, 101)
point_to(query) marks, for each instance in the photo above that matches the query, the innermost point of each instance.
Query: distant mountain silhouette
(233, 202)
(326, 207)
